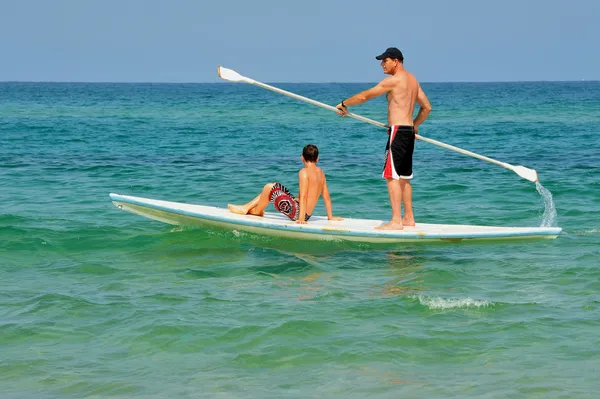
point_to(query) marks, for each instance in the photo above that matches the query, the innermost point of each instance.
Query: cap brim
(380, 57)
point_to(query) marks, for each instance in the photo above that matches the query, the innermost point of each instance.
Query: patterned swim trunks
(285, 202)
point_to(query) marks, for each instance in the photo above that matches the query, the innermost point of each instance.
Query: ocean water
(96, 302)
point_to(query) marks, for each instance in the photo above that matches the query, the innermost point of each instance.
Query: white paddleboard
(318, 228)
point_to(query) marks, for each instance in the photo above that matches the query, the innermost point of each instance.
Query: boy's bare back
(312, 185)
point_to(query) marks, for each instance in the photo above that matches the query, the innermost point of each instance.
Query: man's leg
(409, 217)
(395, 191)
(256, 206)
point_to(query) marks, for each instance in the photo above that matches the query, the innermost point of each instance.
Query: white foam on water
(443, 303)
(549, 217)
(589, 231)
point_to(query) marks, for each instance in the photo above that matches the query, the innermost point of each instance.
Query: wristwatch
(344, 105)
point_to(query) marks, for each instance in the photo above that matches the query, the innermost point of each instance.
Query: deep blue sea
(99, 303)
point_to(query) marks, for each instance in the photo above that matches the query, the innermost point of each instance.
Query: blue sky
(297, 41)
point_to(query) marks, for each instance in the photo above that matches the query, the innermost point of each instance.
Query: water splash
(549, 217)
(437, 303)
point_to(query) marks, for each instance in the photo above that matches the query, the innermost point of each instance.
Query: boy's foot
(239, 209)
(255, 213)
(390, 226)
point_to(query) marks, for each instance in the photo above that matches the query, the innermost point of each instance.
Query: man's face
(388, 65)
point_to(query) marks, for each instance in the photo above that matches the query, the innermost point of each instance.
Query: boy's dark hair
(310, 153)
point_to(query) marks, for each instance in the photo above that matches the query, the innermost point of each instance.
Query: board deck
(318, 228)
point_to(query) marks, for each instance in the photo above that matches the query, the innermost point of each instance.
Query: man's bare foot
(408, 222)
(390, 226)
(239, 209)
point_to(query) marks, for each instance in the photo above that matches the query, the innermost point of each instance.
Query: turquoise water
(96, 302)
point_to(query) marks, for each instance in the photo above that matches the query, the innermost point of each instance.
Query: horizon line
(289, 82)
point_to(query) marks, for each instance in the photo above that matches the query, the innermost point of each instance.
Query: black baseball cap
(391, 52)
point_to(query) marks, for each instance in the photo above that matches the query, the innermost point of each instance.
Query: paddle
(233, 76)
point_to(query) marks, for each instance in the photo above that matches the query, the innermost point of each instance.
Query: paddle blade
(231, 75)
(526, 173)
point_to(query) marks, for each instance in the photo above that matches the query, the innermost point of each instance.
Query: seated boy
(312, 186)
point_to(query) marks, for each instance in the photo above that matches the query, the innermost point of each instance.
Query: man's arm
(424, 109)
(383, 87)
(303, 182)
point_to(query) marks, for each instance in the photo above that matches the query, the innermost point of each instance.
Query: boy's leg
(395, 191)
(256, 206)
(243, 209)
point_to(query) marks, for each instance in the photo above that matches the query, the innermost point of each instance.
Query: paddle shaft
(314, 102)
(379, 124)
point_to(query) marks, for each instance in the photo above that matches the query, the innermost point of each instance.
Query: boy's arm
(303, 182)
(327, 201)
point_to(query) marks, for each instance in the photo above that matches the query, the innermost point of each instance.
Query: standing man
(403, 91)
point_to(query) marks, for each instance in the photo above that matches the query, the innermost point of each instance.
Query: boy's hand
(299, 221)
(336, 218)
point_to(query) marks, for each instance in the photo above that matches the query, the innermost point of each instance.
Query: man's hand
(342, 109)
(336, 218)
(416, 129)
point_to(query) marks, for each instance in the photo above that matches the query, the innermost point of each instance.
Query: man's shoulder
(403, 76)
(412, 77)
(388, 80)
(404, 81)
